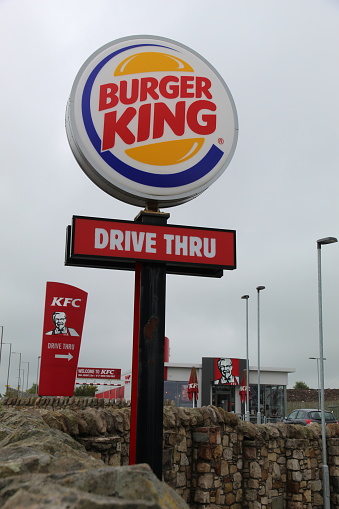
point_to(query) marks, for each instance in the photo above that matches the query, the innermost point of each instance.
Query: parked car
(307, 415)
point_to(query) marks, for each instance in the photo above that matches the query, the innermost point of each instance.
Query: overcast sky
(280, 191)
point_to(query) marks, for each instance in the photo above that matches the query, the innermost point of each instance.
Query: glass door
(223, 397)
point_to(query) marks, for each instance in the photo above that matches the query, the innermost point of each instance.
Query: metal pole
(2, 333)
(135, 367)
(318, 376)
(258, 410)
(26, 362)
(149, 433)
(326, 479)
(18, 353)
(151, 367)
(9, 364)
(23, 378)
(247, 413)
(19, 379)
(247, 369)
(10, 350)
(319, 380)
(37, 376)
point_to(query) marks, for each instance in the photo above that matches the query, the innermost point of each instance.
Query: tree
(33, 389)
(300, 385)
(86, 391)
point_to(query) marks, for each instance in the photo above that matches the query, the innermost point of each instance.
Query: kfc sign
(103, 373)
(65, 308)
(226, 371)
(150, 121)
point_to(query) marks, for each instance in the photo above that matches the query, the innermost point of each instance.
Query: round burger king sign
(150, 121)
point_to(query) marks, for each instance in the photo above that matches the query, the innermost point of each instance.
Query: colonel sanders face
(60, 320)
(225, 367)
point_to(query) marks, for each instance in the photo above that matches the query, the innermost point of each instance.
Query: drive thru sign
(119, 244)
(65, 308)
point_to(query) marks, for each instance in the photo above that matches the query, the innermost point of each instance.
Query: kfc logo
(65, 301)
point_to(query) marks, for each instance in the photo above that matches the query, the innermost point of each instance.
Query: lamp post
(1, 338)
(259, 288)
(9, 363)
(22, 380)
(247, 413)
(26, 362)
(37, 376)
(19, 381)
(317, 359)
(326, 479)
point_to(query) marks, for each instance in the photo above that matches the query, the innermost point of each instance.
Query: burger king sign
(150, 121)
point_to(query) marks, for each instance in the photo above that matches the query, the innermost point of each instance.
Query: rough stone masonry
(210, 458)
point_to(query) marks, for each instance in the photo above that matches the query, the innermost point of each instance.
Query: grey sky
(280, 192)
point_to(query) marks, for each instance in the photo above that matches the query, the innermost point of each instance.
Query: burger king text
(151, 116)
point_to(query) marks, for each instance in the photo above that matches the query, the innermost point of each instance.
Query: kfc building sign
(150, 121)
(226, 371)
(102, 373)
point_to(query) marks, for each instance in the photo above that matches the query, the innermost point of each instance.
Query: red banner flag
(193, 389)
(64, 316)
(243, 387)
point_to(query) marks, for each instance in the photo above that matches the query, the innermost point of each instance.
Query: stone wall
(211, 458)
(309, 398)
(298, 395)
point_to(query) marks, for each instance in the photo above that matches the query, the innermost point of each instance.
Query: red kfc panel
(226, 371)
(104, 373)
(64, 316)
(131, 240)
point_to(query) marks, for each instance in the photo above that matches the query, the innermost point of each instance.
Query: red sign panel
(108, 238)
(65, 308)
(104, 373)
(226, 371)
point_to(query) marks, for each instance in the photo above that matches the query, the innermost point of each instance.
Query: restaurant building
(221, 381)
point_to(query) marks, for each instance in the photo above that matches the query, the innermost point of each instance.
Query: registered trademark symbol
(220, 141)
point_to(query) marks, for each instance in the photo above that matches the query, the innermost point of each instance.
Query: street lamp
(22, 380)
(1, 338)
(9, 363)
(326, 479)
(259, 288)
(26, 362)
(37, 376)
(317, 359)
(247, 413)
(18, 353)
